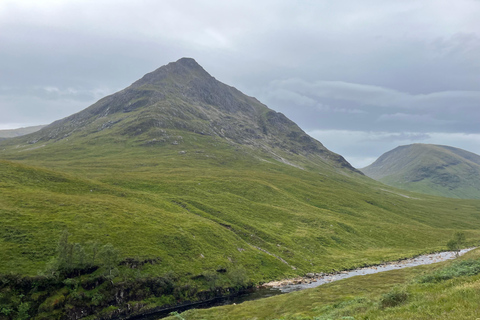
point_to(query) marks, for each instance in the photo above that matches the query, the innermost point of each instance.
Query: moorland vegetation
(195, 190)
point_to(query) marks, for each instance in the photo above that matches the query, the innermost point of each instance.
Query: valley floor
(447, 290)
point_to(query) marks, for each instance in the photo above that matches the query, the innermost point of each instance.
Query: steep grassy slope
(432, 169)
(214, 200)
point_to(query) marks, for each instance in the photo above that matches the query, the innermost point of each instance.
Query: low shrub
(394, 298)
(456, 269)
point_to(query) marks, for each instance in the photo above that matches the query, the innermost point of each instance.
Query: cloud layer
(365, 107)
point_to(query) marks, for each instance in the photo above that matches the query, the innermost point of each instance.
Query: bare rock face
(183, 96)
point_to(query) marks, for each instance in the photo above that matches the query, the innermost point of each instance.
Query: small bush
(393, 298)
(238, 277)
(23, 311)
(211, 279)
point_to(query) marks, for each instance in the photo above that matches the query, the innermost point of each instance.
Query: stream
(280, 287)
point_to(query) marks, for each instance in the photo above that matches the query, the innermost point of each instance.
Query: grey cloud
(339, 90)
(374, 107)
(41, 111)
(374, 95)
(402, 136)
(69, 93)
(422, 119)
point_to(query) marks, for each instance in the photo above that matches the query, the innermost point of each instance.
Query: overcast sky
(362, 77)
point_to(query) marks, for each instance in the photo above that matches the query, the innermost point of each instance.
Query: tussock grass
(215, 200)
(205, 204)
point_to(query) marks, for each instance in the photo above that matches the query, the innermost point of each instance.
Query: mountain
(19, 132)
(198, 190)
(432, 169)
(183, 96)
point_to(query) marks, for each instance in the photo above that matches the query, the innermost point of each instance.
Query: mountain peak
(188, 62)
(184, 65)
(178, 72)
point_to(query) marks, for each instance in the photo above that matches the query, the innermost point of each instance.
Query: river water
(413, 262)
(272, 289)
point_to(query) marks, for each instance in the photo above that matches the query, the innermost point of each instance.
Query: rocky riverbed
(311, 280)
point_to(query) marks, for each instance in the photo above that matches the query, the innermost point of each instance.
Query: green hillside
(214, 202)
(193, 181)
(431, 169)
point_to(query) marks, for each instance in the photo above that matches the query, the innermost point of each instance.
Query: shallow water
(272, 291)
(418, 261)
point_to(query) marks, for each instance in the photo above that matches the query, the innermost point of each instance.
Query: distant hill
(19, 132)
(432, 169)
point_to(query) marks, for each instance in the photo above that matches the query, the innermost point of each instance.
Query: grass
(398, 294)
(213, 201)
(204, 204)
(196, 207)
